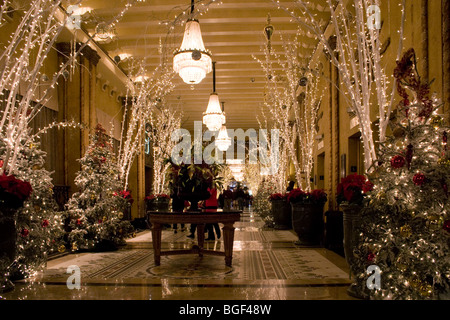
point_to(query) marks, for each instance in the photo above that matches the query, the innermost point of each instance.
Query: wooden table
(227, 218)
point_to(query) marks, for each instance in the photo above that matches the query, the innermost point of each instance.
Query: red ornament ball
(45, 223)
(78, 221)
(419, 179)
(447, 226)
(24, 232)
(398, 162)
(371, 257)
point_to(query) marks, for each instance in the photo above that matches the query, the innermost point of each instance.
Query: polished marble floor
(267, 265)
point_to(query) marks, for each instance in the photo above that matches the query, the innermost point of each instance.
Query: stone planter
(352, 220)
(307, 222)
(282, 214)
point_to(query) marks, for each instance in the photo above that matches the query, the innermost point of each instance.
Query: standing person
(212, 203)
(246, 198)
(290, 186)
(221, 200)
(227, 199)
(234, 198)
(240, 197)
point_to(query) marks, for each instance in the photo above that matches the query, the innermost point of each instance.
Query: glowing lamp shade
(214, 118)
(223, 141)
(192, 61)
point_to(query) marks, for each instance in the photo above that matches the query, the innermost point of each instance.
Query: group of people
(227, 199)
(239, 198)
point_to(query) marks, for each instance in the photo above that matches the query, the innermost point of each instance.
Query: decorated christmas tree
(261, 201)
(406, 229)
(96, 210)
(39, 224)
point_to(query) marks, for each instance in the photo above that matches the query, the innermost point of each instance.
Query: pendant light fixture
(192, 61)
(214, 118)
(223, 141)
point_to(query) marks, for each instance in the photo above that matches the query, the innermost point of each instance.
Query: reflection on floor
(267, 265)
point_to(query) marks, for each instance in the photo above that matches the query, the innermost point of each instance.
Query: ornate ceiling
(233, 30)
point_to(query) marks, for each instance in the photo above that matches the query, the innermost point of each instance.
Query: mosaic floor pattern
(259, 254)
(267, 264)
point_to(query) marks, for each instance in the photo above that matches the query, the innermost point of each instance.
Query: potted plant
(351, 193)
(13, 194)
(190, 182)
(307, 215)
(281, 211)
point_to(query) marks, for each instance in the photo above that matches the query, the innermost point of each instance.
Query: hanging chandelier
(214, 118)
(192, 61)
(223, 141)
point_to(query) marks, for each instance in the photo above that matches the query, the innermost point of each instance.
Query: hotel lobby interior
(206, 150)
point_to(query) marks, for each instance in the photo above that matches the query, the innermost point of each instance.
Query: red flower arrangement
(318, 197)
(419, 179)
(353, 188)
(398, 162)
(125, 194)
(13, 192)
(277, 196)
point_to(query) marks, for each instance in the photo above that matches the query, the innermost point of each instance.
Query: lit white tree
(360, 66)
(295, 119)
(305, 118)
(142, 99)
(162, 125)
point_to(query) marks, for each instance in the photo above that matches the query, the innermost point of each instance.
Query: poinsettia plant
(125, 194)
(13, 192)
(317, 197)
(353, 189)
(277, 196)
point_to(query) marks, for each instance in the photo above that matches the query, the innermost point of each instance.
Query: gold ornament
(381, 195)
(444, 161)
(61, 248)
(416, 283)
(436, 121)
(92, 196)
(104, 218)
(402, 267)
(134, 235)
(405, 231)
(120, 231)
(426, 290)
(74, 246)
(36, 167)
(120, 215)
(37, 208)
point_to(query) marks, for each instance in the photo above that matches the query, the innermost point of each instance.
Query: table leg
(228, 239)
(156, 237)
(200, 237)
